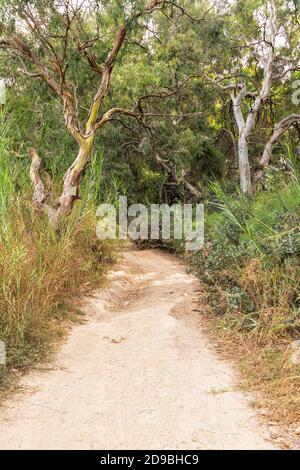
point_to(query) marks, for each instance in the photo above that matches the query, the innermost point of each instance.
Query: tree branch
(283, 126)
(105, 81)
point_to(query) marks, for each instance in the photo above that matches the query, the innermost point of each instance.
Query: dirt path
(139, 374)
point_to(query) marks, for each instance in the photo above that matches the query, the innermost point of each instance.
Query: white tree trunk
(239, 92)
(244, 166)
(243, 157)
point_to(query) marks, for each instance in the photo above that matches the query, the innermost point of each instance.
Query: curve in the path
(138, 374)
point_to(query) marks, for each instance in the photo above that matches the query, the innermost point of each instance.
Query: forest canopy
(168, 94)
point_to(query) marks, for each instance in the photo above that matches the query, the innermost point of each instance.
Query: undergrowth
(42, 272)
(250, 264)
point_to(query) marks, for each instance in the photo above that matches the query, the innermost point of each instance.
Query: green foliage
(238, 230)
(208, 161)
(41, 271)
(252, 252)
(6, 184)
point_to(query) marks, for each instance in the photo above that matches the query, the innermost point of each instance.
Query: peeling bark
(39, 195)
(72, 178)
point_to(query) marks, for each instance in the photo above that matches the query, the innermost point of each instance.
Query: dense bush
(251, 267)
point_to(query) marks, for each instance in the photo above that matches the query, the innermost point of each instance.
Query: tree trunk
(70, 193)
(244, 166)
(244, 128)
(239, 93)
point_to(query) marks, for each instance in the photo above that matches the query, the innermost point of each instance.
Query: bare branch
(186, 13)
(127, 112)
(283, 126)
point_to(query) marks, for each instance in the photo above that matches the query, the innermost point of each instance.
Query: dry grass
(260, 342)
(41, 275)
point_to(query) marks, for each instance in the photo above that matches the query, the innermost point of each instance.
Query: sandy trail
(139, 374)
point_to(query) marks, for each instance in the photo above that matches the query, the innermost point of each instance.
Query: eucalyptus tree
(50, 41)
(179, 144)
(260, 60)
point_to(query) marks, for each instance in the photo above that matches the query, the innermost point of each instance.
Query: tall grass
(251, 265)
(41, 272)
(6, 185)
(98, 189)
